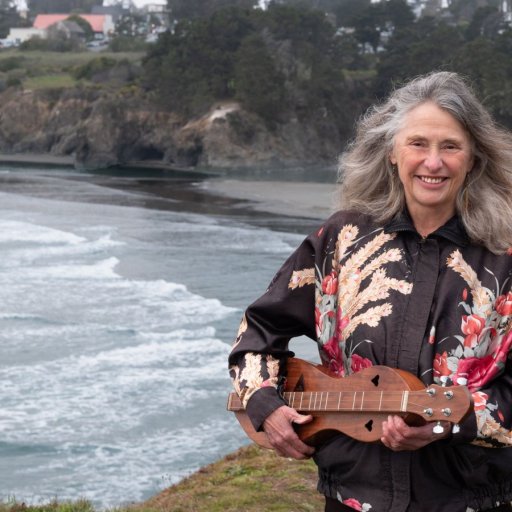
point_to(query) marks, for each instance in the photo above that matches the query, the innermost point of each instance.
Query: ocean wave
(18, 231)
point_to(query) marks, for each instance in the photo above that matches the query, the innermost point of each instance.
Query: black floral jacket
(438, 307)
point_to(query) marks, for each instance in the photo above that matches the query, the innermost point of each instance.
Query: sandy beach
(37, 159)
(307, 200)
(296, 199)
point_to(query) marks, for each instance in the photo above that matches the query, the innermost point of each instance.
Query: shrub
(94, 67)
(13, 62)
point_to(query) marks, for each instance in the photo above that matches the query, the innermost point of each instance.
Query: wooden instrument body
(357, 405)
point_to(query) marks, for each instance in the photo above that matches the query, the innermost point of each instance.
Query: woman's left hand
(399, 436)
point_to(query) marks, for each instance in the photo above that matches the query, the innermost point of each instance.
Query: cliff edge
(102, 129)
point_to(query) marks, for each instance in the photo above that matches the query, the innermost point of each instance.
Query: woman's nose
(433, 162)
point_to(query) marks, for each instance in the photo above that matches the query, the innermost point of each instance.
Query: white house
(20, 35)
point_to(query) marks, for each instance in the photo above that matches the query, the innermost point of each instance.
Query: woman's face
(433, 154)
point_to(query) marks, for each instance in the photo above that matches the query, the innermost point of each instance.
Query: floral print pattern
(355, 504)
(346, 296)
(440, 307)
(482, 348)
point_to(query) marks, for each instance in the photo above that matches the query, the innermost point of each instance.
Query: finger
(281, 435)
(391, 437)
(301, 419)
(290, 446)
(400, 436)
(397, 435)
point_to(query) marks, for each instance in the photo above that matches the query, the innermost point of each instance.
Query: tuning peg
(455, 428)
(438, 428)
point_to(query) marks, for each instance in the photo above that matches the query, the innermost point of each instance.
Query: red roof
(43, 21)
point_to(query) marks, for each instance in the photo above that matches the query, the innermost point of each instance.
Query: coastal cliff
(101, 129)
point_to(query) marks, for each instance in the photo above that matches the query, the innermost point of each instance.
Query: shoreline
(37, 159)
(69, 161)
(269, 202)
(302, 199)
(294, 199)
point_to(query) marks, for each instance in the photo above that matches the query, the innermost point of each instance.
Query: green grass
(41, 70)
(53, 506)
(49, 81)
(249, 480)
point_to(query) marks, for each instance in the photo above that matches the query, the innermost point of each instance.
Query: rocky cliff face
(101, 130)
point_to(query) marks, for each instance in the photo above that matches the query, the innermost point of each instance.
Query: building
(101, 24)
(20, 35)
(116, 11)
(506, 9)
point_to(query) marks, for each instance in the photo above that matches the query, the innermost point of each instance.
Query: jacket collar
(453, 230)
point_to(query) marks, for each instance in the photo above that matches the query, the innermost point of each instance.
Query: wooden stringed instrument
(357, 405)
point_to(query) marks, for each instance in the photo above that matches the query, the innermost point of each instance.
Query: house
(116, 11)
(101, 24)
(506, 9)
(22, 34)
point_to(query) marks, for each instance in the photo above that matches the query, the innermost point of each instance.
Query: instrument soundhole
(369, 425)
(375, 380)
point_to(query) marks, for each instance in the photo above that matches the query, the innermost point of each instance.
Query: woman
(414, 273)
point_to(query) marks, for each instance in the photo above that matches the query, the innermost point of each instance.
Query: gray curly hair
(368, 184)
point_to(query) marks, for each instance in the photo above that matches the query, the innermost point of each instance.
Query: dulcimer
(358, 404)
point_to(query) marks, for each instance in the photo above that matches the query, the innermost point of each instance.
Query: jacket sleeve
(492, 402)
(490, 381)
(284, 311)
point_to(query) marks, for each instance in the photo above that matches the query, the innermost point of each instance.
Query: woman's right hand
(282, 437)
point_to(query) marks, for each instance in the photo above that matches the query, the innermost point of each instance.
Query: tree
(487, 21)
(84, 25)
(131, 25)
(62, 6)
(398, 13)
(258, 85)
(346, 11)
(196, 9)
(194, 66)
(487, 63)
(9, 17)
(424, 46)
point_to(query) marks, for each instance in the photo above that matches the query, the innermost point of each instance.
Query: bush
(49, 45)
(13, 81)
(107, 69)
(96, 66)
(13, 62)
(127, 44)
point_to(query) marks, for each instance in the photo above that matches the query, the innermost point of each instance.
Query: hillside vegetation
(290, 62)
(248, 480)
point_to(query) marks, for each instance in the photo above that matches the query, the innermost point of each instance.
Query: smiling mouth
(428, 179)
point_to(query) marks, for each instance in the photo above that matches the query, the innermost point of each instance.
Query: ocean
(120, 294)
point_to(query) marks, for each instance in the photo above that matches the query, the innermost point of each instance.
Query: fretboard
(332, 401)
(348, 401)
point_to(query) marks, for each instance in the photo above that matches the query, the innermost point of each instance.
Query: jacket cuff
(261, 404)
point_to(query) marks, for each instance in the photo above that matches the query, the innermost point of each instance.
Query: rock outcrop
(105, 129)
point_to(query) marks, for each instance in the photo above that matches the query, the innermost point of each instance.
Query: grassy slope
(41, 70)
(248, 480)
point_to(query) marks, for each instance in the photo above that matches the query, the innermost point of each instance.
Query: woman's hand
(280, 433)
(398, 436)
